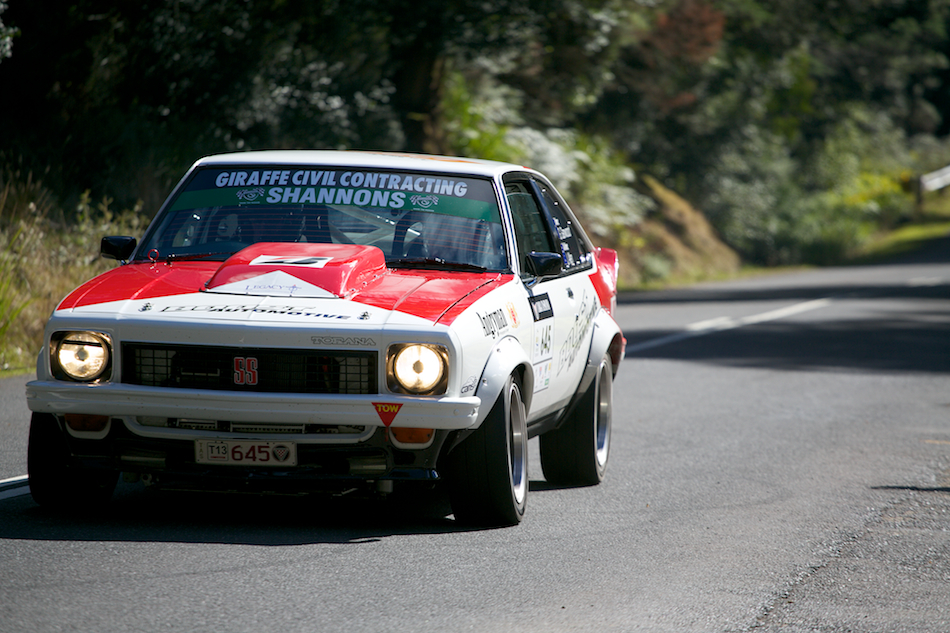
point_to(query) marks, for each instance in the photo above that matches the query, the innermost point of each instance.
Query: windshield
(417, 219)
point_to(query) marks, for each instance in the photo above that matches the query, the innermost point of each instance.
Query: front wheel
(56, 484)
(576, 453)
(488, 471)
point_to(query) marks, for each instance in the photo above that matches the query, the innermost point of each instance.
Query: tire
(56, 484)
(488, 471)
(576, 453)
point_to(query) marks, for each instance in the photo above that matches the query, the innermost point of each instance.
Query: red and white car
(309, 319)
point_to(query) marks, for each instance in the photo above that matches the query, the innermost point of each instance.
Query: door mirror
(117, 247)
(544, 266)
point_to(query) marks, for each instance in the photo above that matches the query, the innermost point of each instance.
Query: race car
(328, 320)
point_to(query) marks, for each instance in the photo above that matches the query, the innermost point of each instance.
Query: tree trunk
(419, 95)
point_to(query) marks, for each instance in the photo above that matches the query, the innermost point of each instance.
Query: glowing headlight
(82, 356)
(418, 369)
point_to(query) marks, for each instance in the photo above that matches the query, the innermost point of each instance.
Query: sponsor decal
(365, 316)
(387, 411)
(541, 307)
(393, 192)
(358, 341)
(513, 313)
(279, 289)
(250, 195)
(348, 179)
(578, 334)
(469, 385)
(279, 310)
(278, 260)
(542, 375)
(564, 233)
(146, 307)
(274, 283)
(493, 323)
(424, 201)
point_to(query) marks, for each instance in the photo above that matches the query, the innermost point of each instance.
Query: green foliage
(586, 169)
(477, 118)
(796, 127)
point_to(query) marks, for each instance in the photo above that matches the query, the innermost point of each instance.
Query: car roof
(365, 160)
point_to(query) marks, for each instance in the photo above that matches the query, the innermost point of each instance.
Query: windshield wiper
(183, 257)
(434, 262)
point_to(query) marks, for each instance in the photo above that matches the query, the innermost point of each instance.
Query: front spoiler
(172, 462)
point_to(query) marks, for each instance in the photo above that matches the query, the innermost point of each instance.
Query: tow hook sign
(387, 411)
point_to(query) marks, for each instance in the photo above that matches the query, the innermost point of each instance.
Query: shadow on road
(702, 294)
(139, 515)
(936, 252)
(921, 344)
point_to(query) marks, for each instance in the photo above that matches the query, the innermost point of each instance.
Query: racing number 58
(245, 370)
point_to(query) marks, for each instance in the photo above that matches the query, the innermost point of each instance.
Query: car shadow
(136, 514)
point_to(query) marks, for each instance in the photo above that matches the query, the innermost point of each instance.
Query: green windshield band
(388, 201)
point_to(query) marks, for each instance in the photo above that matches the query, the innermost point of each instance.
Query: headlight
(418, 369)
(81, 356)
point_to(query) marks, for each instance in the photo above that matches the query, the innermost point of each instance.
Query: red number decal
(236, 455)
(263, 453)
(245, 370)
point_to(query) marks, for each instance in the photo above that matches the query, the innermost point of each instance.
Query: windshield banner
(464, 197)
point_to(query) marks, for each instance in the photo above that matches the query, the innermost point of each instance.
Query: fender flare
(608, 339)
(507, 356)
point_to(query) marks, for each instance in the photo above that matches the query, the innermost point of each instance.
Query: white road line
(924, 282)
(719, 324)
(14, 487)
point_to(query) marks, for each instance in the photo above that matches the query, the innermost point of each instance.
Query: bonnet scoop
(295, 269)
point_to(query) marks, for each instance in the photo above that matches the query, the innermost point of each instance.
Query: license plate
(245, 453)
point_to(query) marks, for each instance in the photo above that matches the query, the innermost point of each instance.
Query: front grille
(249, 369)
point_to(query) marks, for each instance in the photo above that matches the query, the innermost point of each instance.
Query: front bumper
(118, 400)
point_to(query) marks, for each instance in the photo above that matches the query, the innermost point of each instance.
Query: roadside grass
(931, 223)
(43, 255)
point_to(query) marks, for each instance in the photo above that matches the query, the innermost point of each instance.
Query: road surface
(780, 462)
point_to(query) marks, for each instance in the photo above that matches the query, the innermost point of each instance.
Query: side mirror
(544, 266)
(117, 247)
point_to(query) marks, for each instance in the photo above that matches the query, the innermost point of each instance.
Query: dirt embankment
(674, 243)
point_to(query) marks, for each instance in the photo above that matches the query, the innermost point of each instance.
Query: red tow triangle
(387, 411)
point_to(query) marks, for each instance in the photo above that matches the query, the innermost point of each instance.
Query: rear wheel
(56, 484)
(576, 453)
(488, 471)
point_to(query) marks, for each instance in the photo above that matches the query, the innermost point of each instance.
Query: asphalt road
(780, 462)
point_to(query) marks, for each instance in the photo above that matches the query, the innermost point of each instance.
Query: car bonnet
(281, 281)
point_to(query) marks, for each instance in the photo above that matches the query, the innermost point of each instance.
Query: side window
(531, 232)
(571, 245)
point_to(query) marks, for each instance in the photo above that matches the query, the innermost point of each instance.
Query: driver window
(531, 234)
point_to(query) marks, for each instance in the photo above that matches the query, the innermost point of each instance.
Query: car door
(562, 307)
